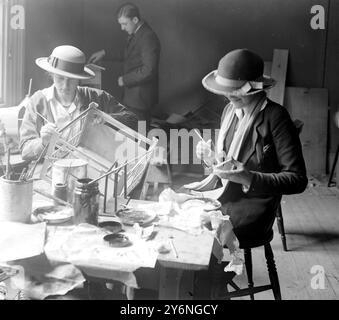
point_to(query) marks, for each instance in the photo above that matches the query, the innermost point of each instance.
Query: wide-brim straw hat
(67, 61)
(240, 72)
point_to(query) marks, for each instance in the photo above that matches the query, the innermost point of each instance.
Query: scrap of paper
(26, 240)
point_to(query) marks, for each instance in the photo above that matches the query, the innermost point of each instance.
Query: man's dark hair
(128, 10)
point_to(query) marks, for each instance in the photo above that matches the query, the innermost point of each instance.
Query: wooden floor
(312, 229)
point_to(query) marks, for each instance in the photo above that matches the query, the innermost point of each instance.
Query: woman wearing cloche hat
(51, 108)
(260, 144)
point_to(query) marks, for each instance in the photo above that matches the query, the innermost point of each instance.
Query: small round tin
(117, 240)
(111, 226)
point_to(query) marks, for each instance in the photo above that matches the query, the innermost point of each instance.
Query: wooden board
(278, 73)
(310, 106)
(267, 68)
(95, 82)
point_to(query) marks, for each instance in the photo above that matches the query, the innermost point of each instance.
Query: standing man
(140, 60)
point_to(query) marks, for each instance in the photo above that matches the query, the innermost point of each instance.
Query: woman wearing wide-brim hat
(52, 108)
(260, 147)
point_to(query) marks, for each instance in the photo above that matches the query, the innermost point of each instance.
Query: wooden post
(278, 73)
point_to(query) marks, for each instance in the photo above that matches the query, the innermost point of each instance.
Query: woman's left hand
(237, 174)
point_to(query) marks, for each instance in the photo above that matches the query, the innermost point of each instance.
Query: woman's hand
(204, 152)
(236, 173)
(46, 132)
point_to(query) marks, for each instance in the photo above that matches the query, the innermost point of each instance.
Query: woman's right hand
(204, 149)
(46, 132)
(204, 152)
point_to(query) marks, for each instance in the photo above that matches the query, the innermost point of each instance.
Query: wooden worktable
(173, 277)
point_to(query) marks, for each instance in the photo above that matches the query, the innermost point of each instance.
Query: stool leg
(227, 292)
(248, 265)
(272, 272)
(281, 228)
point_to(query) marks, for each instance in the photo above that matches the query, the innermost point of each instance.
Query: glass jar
(86, 202)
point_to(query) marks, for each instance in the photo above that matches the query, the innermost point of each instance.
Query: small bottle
(60, 191)
(86, 202)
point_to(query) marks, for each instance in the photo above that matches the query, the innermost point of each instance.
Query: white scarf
(244, 125)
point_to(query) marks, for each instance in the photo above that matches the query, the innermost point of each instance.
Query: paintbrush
(42, 117)
(201, 138)
(22, 175)
(173, 247)
(31, 172)
(29, 88)
(47, 195)
(212, 148)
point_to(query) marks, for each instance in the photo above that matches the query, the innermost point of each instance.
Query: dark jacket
(140, 69)
(272, 152)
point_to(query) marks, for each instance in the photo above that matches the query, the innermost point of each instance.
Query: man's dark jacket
(140, 69)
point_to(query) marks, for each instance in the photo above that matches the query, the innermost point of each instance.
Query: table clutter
(136, 236)
(67, 228)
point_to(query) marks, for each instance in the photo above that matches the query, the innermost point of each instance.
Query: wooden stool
(281, 228)
(251, 290)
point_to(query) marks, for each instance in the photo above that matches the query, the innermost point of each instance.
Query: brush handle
(47, 195)
(43, 118)
(22, 175)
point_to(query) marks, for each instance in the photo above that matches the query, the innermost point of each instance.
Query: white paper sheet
(86, 245)
(20, 241)
(83, 246)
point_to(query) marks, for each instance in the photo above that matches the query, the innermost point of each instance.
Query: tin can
(16, 200)
(86, 202)
(68, 171)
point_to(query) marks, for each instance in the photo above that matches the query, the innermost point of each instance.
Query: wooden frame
(103, 142)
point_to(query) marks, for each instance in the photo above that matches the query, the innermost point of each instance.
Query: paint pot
(15, 200)
(67, 171)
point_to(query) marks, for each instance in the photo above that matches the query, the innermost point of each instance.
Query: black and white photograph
(181, 153)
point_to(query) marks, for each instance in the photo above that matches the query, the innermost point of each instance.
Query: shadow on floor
(310, 238)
